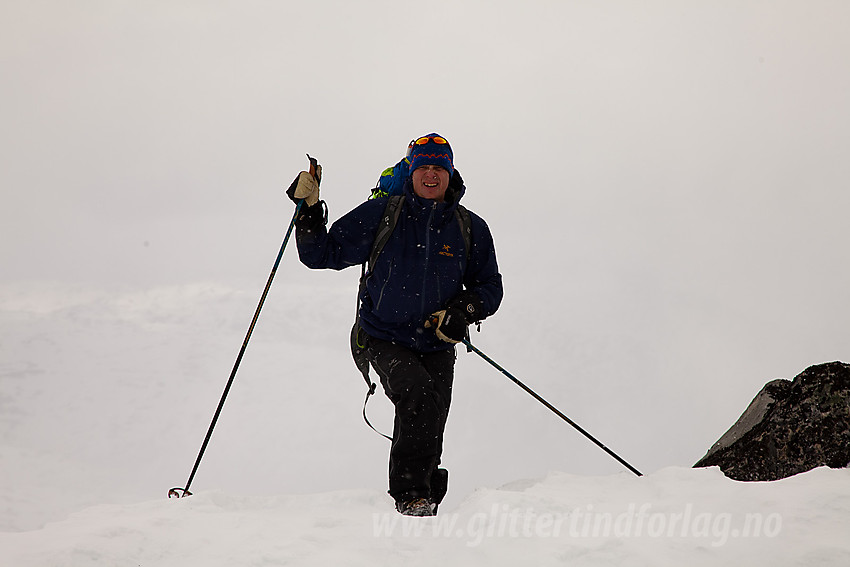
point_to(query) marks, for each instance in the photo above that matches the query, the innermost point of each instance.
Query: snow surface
(673, 517)
(107, 396)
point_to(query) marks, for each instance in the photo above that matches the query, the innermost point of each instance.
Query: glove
(468, 303)
(306, 186)
(450, 324)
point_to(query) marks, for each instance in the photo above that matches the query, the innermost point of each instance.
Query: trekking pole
(184, 491)
(551, 407)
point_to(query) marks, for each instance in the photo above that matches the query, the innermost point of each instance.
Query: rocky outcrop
(790, 427)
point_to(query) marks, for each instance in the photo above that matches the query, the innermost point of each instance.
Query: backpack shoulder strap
(385, 229)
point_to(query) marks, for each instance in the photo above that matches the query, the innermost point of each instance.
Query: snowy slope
(671, 518)
(107, 395)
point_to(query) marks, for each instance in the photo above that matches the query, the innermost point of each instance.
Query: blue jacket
(422, 266)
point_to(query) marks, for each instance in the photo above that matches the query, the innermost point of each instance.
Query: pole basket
(178, 493)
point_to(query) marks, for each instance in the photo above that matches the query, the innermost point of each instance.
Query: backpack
(359, 339)
(391, 181)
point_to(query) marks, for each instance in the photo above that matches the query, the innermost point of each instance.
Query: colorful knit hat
(432, 149)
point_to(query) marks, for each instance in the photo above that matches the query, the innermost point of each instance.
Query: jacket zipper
(427, 257)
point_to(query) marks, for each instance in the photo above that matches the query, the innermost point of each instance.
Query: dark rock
(790, 427)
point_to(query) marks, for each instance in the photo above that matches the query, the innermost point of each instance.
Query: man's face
(430, 182)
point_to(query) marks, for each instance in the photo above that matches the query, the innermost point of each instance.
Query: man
(418, 299)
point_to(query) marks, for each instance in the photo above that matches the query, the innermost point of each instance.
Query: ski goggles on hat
(425, 139)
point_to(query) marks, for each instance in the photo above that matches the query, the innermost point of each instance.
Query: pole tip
(178, 493)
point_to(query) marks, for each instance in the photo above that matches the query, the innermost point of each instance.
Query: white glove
(307, 187)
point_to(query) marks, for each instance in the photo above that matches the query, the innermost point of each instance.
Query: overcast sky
(666, 181)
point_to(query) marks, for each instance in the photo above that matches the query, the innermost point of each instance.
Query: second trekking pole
(551, 407)
(184, 491)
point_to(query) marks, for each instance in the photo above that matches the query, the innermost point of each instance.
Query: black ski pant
(420, 387)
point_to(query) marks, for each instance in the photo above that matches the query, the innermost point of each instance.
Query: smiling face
(430, 182)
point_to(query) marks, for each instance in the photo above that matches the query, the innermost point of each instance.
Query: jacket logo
(446, 251)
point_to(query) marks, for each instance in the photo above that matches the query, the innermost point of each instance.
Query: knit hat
(432, 149)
